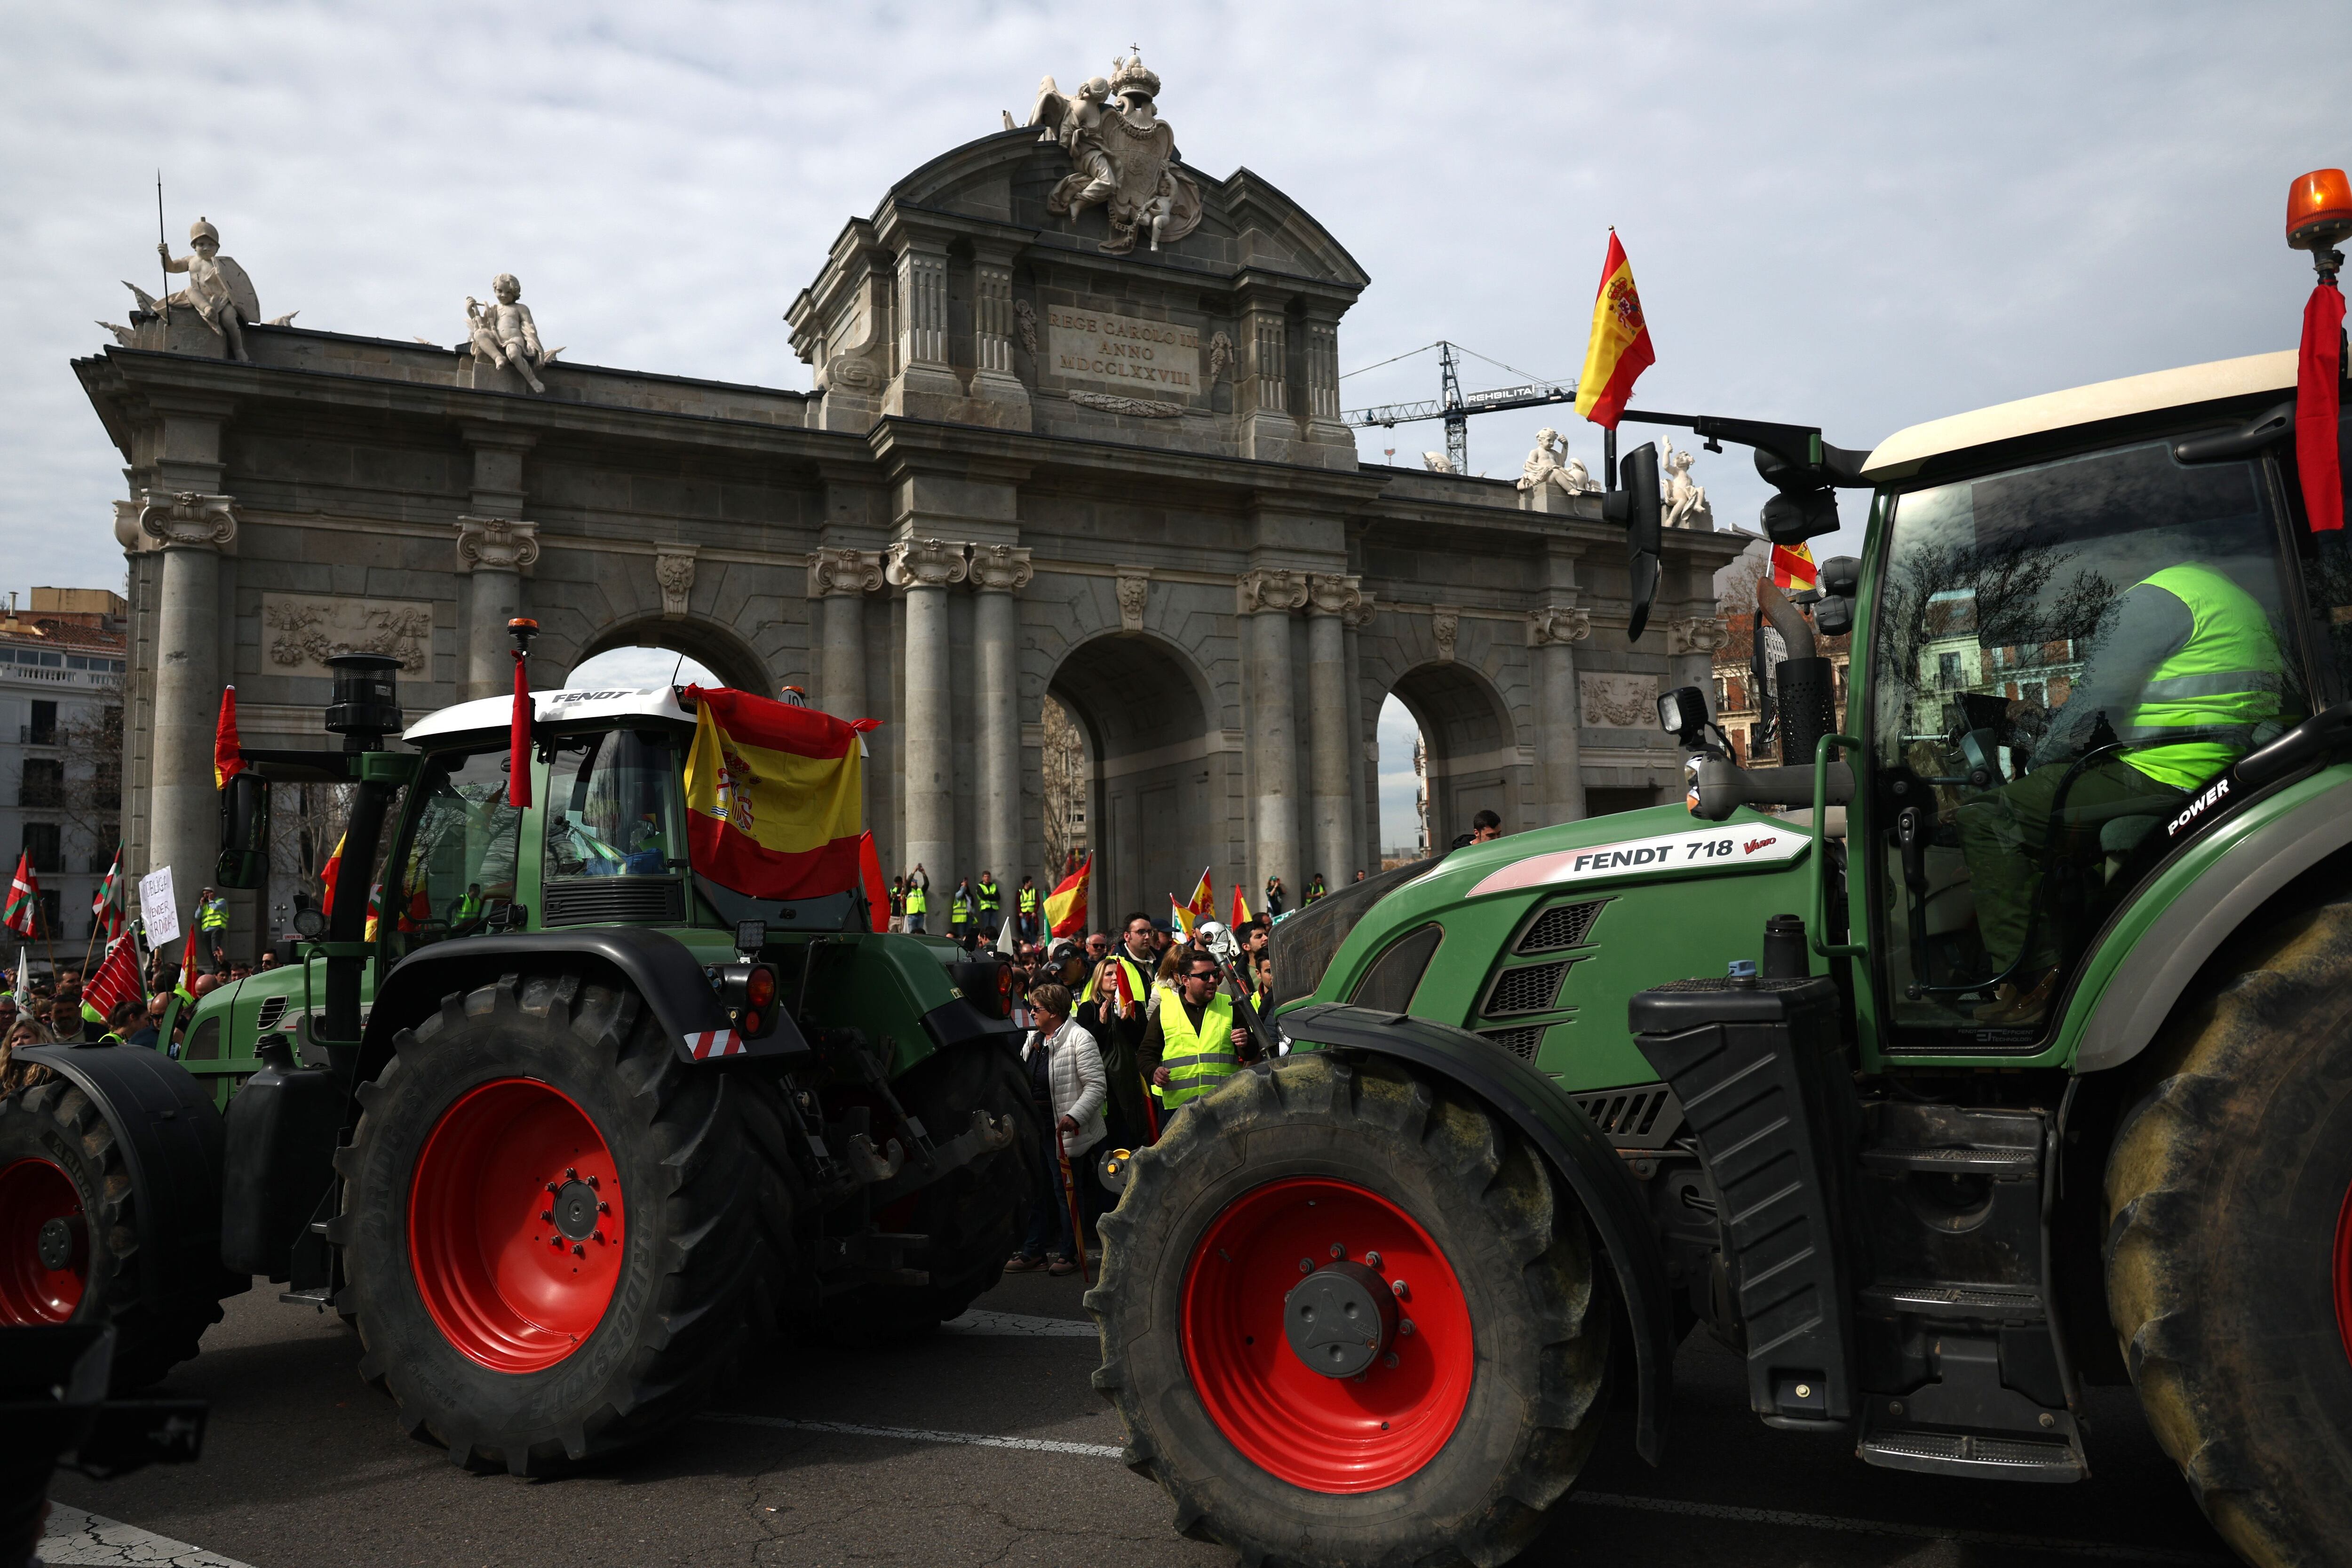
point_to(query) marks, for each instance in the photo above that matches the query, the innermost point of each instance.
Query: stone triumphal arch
(1063, 436)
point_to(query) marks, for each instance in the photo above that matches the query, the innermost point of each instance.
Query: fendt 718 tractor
(2005, 1048)
(558, 1130)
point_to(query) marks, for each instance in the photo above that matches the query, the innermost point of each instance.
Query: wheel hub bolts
(1340, 1319)
(576, 1210)
(59, 1242)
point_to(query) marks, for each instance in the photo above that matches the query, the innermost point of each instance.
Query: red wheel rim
(515, 1224)
(1324, 1433)
(33, 1193)
(2344, 1273)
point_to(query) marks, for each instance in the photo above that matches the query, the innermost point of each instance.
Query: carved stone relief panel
(299, 632)
(1616, 700)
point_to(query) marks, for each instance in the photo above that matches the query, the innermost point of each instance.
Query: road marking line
(913, 1435)
(1821, 1522)
(977, 1322)
(1911, 1531)
(76, 1537)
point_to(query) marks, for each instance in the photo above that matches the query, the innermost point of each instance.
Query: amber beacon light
(2319, 210)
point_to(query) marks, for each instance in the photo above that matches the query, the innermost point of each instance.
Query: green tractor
(1993, 1047)
(553, 1122)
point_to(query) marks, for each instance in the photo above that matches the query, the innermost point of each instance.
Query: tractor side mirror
(244, 831)
(1634, 504)
(1841, 581)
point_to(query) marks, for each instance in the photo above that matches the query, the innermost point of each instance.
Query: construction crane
(1454, 409)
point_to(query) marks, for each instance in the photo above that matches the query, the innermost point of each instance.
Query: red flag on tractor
(521, 630)
(228, 753)
(2318, 217)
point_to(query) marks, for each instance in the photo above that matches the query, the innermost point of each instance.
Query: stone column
(840, 580)
(999, 571)
(1553, 632)
(493, 551)
(1265, 599)
(926, 569)
(193, 530)
(1331, 601)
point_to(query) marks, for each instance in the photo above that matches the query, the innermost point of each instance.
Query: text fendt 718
(2045, 1081)
(560, 1133)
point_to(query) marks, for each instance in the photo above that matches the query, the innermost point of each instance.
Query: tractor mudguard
(172, 1146)
(2148, 962)
(660, 968)
(1569, 1140)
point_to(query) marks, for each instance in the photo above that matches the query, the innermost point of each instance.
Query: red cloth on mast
(519, 740)
(2318, 375)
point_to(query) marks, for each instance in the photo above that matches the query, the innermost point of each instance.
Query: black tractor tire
(2229, 1245)
(974, 1216)
(703, 1207)
(55, 1138)
(1537, 1318)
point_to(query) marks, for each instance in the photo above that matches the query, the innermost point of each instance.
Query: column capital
(1334, 596)
(188, 521)
(1362, 616)
(1277, 590)
(1446, 625)
(999, 568)
(1698, 634)
(926, 563)
(844, 572)
(495, 543)
(674, 572)
(1558, 624)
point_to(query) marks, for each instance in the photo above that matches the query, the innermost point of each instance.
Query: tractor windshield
(615, 827)
(2061, 656)
(458, 876)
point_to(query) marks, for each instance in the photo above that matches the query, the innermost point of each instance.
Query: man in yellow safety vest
(2185, 675)
(919, 898)
(991, 900)
(1027, 908)
(1192, 1044)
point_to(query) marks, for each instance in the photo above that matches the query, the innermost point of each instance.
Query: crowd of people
(39, 1007)
(1123, 1033)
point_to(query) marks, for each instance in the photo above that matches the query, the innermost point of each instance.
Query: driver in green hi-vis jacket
(2188, 676)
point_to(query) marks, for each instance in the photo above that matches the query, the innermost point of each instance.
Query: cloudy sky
(1855, 216)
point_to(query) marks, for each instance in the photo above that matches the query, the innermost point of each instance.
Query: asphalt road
(302, 1468)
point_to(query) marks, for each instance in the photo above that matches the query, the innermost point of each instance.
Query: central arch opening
(1144, 726)
(1468, 755)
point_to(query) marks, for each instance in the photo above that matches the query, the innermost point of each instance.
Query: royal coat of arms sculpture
(1123, 156)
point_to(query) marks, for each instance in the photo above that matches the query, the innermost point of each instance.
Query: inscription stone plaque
(1126, 352)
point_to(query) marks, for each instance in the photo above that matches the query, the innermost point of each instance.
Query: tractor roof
(565, 707)
(1902, 453)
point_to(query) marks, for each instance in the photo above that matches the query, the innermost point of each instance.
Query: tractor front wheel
(557, 1236)
(1349, 1317)
(2229, 1199)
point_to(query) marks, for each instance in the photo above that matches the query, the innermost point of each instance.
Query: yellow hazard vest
(988, 897)
(2225, 680)
(1028, 900)
(212, 915)
(959, 908)
(1196, 1062)
(918, 902)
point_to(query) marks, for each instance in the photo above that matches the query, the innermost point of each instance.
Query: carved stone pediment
(299, 632)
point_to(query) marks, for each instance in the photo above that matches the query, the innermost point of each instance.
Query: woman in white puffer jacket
(1067, 1076)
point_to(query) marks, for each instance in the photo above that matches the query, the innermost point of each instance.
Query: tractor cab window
(2061, 656)
(617, 828)
(457, 873)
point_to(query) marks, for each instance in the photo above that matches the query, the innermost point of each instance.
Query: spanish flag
(1240, 907)
(1203, 906)
(1065, 906)
(228, 753)
(1792, 566)
(1619, 350)
(773, 795)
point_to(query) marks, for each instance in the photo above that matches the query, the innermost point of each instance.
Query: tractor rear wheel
(973, 1216)
(2229, 1197)
(70, 1248)
(1349, 1317)
(557, 1236)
